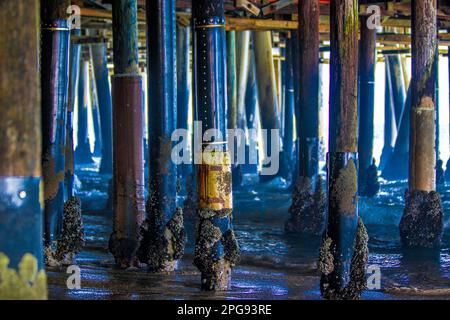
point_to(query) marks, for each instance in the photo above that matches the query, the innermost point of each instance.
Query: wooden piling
(74, 72)
(397, 85)
(183, 91)
(83, 154)
(251, 101)
(21, 214)
(390, 124)
(288, 114)
(308, 204)
(231, 80)
(95, 108)
(344, 252)
(368, 184)
(267, 89)
(101, 73)
(422, 221)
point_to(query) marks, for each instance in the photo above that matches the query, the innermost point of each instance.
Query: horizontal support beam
(236, 23)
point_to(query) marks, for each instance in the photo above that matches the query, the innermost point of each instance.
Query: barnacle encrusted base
(327, 264)
(213, 262)
(63, 251)
(162, 245)
(422, 221)
(307, 212)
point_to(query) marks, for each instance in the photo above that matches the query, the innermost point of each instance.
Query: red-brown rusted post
(422, 221)
(344, 251)
(128, 161)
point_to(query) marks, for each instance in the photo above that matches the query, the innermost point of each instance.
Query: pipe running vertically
(164, 236)
(128, 160)
(54, 66)
(216, 248)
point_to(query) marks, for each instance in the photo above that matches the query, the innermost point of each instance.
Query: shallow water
(273, 265)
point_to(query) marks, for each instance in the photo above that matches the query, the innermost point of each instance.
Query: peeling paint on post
(216, 249)
(164, 235)
(368, 184)
(422, 221)
(55, 40)
(128, 160)
(21, 195)
(100, 63)
(344, 251)
(308, 204)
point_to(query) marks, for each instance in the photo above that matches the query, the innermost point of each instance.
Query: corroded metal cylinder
(55, 39)
(216, 249)
(128, 184)
(163, 242)
(128, 160)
